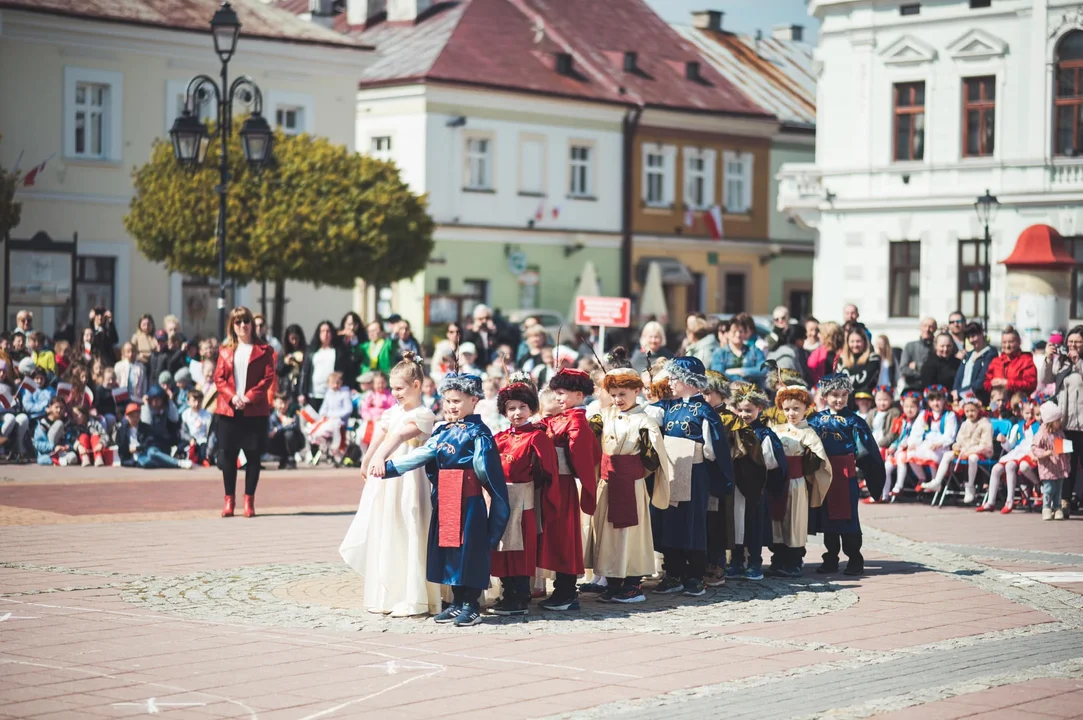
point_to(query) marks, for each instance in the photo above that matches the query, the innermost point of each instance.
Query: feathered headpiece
(935, 391)
(782, 377)
(835, 382)
(688, 370)
(622, 378)
(524, 392)
(718, 383)
(748, 392)
(465, 383)
(572, 380)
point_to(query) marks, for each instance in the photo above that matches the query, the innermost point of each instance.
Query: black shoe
(629, 594)
(560, 603)
(669, 586)
(608, 594)
(510, 606)
(854, 567)
(828, 567)
(592, 588)
(693, 587)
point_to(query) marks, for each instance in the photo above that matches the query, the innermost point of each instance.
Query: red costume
(528, 457)
(1019, 371)
(561, 546)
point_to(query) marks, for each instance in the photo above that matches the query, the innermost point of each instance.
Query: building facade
(922, 108)
(96, 87)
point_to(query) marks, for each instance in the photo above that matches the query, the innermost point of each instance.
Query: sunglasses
(242, 322)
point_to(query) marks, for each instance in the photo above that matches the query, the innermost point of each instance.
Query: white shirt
(323, 364)
(241, 354)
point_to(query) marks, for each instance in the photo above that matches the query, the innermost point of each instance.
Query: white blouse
(241, 355)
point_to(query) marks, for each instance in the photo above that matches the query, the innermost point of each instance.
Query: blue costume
(465, 445)
(757, 537)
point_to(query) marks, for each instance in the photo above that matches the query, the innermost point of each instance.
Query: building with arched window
(921, 108)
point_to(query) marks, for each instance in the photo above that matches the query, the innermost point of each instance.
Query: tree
(321, 214)
(10, 211)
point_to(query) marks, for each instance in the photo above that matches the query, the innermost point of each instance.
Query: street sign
(603, 311)
(517, 262)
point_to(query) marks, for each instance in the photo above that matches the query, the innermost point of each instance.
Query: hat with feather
(519, 389)
(718, 383)
(748, 392)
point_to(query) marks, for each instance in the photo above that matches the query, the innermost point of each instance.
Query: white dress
(388, 538)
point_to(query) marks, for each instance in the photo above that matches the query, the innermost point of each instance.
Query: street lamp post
(191, 139)
(986, 207)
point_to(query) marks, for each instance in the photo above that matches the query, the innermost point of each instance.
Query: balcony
(800, 193)
(1066, 174)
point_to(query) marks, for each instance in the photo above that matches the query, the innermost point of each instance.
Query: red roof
(1039, 247)
(258, 20)
(512, 45)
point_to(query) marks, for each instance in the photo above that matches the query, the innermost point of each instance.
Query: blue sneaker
(449, 614)
(734, 572)
(469, 615)
(753, 573)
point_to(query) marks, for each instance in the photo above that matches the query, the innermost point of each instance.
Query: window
(478, 164)
(475, 292)
(95, 281)
(737, 173)
(531, 165)
(291, 120)
(905, 278)
(443, 285)
(92, 114)
(976, 4)
(973, 289)
(380, 147)
(909, 121)
(1074, 245)
(659, 175)
(799, 303)
(911, 9)
(698, 178)
(1068, 100)
(656, 179)
(979, 111)
(580, 183)
(734, 293)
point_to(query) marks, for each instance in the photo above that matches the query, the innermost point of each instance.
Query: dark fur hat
(520, 391)
(572, 380)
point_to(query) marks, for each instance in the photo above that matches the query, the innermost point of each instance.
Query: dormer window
(564, 63)
(691, 70)
(630, 62)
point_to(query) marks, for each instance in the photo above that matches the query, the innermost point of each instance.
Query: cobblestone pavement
(122, 594)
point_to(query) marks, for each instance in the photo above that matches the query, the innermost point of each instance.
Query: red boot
(249, 505)
(227, 509)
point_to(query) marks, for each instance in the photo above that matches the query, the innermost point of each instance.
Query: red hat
(573, 380)
(132, 407)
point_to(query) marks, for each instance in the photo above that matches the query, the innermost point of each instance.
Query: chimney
(360, 12)
(796, 33)
(406, 10)
(321, 12)
(708, 20)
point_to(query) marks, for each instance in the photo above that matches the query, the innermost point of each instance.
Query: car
(551, 320)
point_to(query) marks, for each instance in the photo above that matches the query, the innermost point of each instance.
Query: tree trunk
(279, 321)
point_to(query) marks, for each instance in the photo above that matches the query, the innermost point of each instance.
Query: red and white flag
(689, 217)
(120, 395)
(6, 400)
(539, 214)
(309, 415)
(1062, 446)
(556, 212)
(89, 396)
(28, 384)
(63, 390)
(32, 174)
(713, 218)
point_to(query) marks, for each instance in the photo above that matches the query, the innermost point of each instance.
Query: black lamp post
(191, 139)
(986, 208)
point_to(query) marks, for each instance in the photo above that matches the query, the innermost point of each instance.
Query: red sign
(603, 311)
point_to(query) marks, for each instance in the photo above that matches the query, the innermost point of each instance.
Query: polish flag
(713, 217)
(89, 396)
(556, 212)
(6, 400)
(309, 415)
(28, 384)
(539, 214)
(32, 174)
(689, 217)
(63, 390)
(120, 395)
(1062, 446)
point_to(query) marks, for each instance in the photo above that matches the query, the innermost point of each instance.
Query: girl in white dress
(388, 538)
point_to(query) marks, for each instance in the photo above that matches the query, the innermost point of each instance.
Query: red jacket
(1019, 371)
(259, 383)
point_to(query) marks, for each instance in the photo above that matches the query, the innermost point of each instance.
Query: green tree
(10, 211)
(321, 214)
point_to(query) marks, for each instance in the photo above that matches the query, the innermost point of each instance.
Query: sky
(742, 16)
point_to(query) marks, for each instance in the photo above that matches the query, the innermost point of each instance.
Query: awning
(674, 272)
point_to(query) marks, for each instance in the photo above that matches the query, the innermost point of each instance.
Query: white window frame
(176, 91)
(386, 154)
(484, 162)
(585, 165)
(527, 185)
(668, 154)
(112, 113)
(741, 185)
(276, 100)
(706, 174)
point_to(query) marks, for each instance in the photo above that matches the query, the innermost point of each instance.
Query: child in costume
(388, 539)
(697, 445)
(560, 549)
(910, 434)
(1054, 464)
(529, 461)
(809, 474)
(941, 425)
(849, 444)
(749, 476)
(973, 443)
(748, 402)
(778, 379)
(884, 419)
(1016, 458)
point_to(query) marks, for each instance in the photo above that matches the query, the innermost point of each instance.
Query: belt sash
(455, 486)
(683, 453)
(621, 473)
(837, 500)
(520, 499)
(563, 466)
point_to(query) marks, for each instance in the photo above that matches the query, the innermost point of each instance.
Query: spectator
(49, 434)
(915, 353)
(325, 356)
(957, 330)
(482, 334)
(335, 413)
(183, 380)
(144, 340)
(701, 338)
(35, 399)
(970, 378)
(105, 339)
(1012, 371)
(14, 424)
(105, 401)
(18, 346)
(264, 333)
(127, 439)
(159, 432)
(468, 358)
(208, 352)
(378, 352)
(195, 428)
(941, 367)
(351, 334)
(87, 437)
(85, 351)
(1063, 368)
(812, 333)
(780, 319)
(790, 353)
(285, 438)
(81, 393)
(850, 314)
(822, 360)
(858, 361)
(734, 357)
(24, 322)
(405, 340)
(652, 340)
(290, 361)
(35, 347)
(443, 355)
(379, 401)
(131, 373)
(171, 325)
(889, 364)
(536, 338)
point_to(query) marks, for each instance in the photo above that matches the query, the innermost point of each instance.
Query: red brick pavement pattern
(1035, 699)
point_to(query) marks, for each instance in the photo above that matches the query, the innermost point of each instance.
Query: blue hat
(688, 370)
(464, 383)
(836, 381)
(155, 391)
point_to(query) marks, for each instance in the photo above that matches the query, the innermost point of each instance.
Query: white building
(921, 107)
(88, 86)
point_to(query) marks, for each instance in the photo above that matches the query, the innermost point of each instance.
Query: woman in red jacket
(244, 377)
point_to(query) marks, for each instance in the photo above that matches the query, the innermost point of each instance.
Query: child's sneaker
(1047, 513)
(669, 586)
(629, 594)
(753, 573)
(560, 604)
(790, 572)
(1058, 514)
(449, 614)
(716, 579)
(507, 607)
(693, 587)
(733, 572)
(592, 588)
(469, 615)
